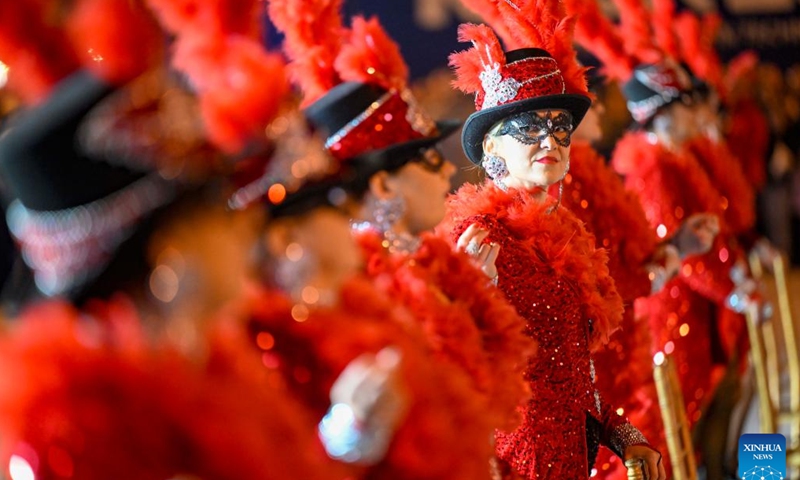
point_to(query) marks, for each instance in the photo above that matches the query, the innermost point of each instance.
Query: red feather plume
(240, 85)
(595, 33)
(468, 64)
(490, 13)
(663, 20)
(35, 51)
(635, 29)
(371, 56)
(697, 47)
(546, 25)
(117, 39)
(313, 34)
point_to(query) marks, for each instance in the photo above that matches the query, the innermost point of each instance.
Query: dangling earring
(560, 190)
(496, 169)
(385, 214)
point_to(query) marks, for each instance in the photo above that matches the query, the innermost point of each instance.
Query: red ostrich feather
(35, 51)
(635, 28)
(532, 24)
(371, 56)
(313, 34)
(489, 12)
(597, 34)
(240, 85)
(470, 63)
(663, 21)
(117, 39)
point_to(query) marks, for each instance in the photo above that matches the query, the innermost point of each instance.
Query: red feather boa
(559, 238)
(445, 434)
(93, 399)
(467, 322)
(725, 171)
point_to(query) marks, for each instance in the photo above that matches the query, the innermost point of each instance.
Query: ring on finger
(473, 248)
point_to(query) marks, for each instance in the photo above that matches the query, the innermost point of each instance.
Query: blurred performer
(116, 210)
(672, 186)
(529, 102)
(375, 120)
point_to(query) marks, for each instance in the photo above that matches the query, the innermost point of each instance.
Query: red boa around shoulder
(558, 238)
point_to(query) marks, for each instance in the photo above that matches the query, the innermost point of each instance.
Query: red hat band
(500, 85)
(392, 119)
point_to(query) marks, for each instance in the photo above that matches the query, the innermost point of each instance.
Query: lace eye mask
(531, 129)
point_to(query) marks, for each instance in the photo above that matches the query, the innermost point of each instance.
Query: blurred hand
(697, 234)
(371, 385)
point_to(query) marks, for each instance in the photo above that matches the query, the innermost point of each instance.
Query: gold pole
(757, 356)
(790, 340)
(676, 426)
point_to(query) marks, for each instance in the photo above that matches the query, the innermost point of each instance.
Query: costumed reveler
(528, 102)
(357, 97)
(119, 213)
(672, 186)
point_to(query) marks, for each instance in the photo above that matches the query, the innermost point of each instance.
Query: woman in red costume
(385, 405)
(468, 323)
(528, 104)
(122, 378)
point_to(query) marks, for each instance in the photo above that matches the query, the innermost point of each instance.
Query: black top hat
(70, 212)
(651, 88)
(41, 160)
(350, 105)
(536, 93)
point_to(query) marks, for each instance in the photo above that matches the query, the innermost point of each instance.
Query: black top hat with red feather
(354, 82)
(541, 73)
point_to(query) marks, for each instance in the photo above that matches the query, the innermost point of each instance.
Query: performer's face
(316, 244)
(534, 145)
(422, 184)
(591, 130)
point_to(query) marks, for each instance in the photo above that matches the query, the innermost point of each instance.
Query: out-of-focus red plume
(663, 21)
(595, 33)
(371, 56)
(36, 52)
(208, 17)
(240, 85)
(636, 31)
(116, 39)
(469, 64)
(489, 12)
(313, 35)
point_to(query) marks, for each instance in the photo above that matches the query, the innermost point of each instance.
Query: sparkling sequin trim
(342, 132)
(68, 248)
(624, 436)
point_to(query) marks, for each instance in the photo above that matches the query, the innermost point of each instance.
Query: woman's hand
(653, 466)
(697, 234)
(484, 255)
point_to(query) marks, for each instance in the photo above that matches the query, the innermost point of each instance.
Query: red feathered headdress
(240, 84)
(327, 56)
(542, 72)
(696, 39)
(523, 24)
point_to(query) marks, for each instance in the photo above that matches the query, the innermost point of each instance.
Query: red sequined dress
(467, 322)
(443, 434)
(87, 395)
(552, 273)
(671, 187)
(624, 366)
